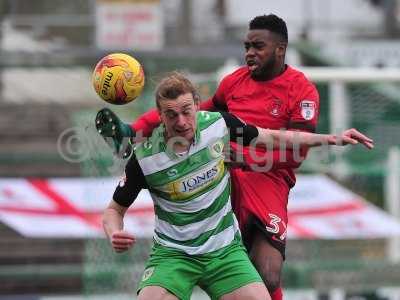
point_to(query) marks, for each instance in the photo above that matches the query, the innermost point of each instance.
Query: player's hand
(122, 241)
(116, 133)
(232, 159)
(353, 137)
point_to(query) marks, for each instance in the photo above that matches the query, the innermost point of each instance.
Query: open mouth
(252, 65)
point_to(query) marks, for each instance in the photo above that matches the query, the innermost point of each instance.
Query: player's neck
(275, 72)
(282, 68)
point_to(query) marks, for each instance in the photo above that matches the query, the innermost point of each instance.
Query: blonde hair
(174, 85)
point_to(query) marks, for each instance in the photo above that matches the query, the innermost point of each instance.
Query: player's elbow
(298, 156)
(294, 164)
(108, 215)
(297, 160)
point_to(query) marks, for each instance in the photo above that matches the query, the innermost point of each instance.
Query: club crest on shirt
(307, 109)
(216, 149)
(147, 273)
(275, 107)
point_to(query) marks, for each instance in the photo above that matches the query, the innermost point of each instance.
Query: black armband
(131, 184)
(239, 131)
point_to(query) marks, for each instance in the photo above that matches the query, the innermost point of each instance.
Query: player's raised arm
(273, 139)
(146, 122)
(293, 139)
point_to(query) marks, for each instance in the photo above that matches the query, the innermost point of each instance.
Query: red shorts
(259, 201)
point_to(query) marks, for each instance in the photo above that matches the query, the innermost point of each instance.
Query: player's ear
(280, 50)
(196, 99)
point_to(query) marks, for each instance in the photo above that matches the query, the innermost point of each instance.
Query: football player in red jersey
(270, 94)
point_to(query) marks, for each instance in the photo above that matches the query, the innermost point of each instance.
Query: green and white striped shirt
(191, 192)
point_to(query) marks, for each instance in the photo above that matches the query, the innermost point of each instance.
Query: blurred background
(57, 174)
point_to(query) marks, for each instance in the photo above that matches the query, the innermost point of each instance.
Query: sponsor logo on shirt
(147, 145)
(172, 172)
(307, 109)
(194, 182)
(205, 115)
(184, 187)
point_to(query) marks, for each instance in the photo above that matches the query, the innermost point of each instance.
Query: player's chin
(188, 136)
(121, 250)
(184, 133)
(255, 72)
(256, 75)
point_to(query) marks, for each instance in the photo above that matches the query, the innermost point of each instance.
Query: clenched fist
(122, 241)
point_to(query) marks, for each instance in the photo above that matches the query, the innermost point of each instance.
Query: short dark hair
(173, 85)
(272, 23)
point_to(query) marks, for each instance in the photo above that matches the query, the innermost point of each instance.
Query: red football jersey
(289, 101)
(288, 98)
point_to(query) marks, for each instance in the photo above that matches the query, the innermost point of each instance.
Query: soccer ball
(118, 78)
